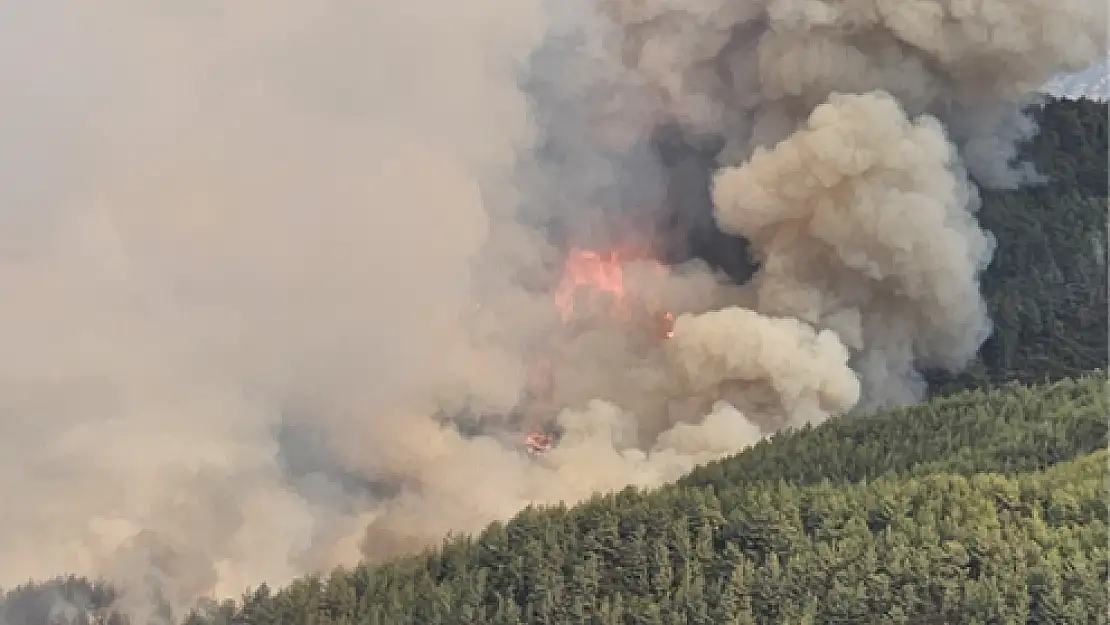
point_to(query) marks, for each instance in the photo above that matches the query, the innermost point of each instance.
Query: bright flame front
(595, 272)
(601, 273)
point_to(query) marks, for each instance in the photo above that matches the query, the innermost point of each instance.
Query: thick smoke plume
(863, 222)
(277, 283)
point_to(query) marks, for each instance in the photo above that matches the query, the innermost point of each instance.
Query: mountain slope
(1006, 430)
(1046, 286)
(1026, 547)
(983, 506)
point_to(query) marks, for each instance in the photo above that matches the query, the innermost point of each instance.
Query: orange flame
(595, 273)
(668, 324)
(538, 442)
(603, 273)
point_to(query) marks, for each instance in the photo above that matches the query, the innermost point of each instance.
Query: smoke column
(219, 221)
(255, 264)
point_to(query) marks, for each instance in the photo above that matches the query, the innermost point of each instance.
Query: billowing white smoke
(863, 221)
(226, 232)
(806, 370)
(780, 370)
(857, 206)
(752, 70)
(214, 220)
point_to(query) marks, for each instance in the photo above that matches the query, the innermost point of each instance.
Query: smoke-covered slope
(1092, 83)
(1009, 430)
(284, 291)
(1046, 289)
(1007, 493)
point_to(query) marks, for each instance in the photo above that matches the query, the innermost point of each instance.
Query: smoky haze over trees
(251, 285)
(1000, 518)
(1017, 473)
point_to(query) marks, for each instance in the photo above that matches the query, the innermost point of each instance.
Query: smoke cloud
(278, 285)
(863, 221)
(219, 222)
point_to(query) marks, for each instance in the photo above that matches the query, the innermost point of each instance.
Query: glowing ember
(602, 273)
(538, 442)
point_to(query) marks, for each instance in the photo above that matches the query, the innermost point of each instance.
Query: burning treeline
(341, 280)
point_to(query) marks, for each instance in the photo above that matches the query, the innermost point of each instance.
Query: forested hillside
(1011, 429)
(940, 547)
(950, 534)
(985, 505)
(1046, 287)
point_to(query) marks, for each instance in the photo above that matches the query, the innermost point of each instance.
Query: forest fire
(599, 272)
(602, 274)
(597, 279)
(668, 324)
(538, 442)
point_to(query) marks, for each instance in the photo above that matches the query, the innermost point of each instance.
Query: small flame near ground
(597, 276)
(668, 323)
(538, 442)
